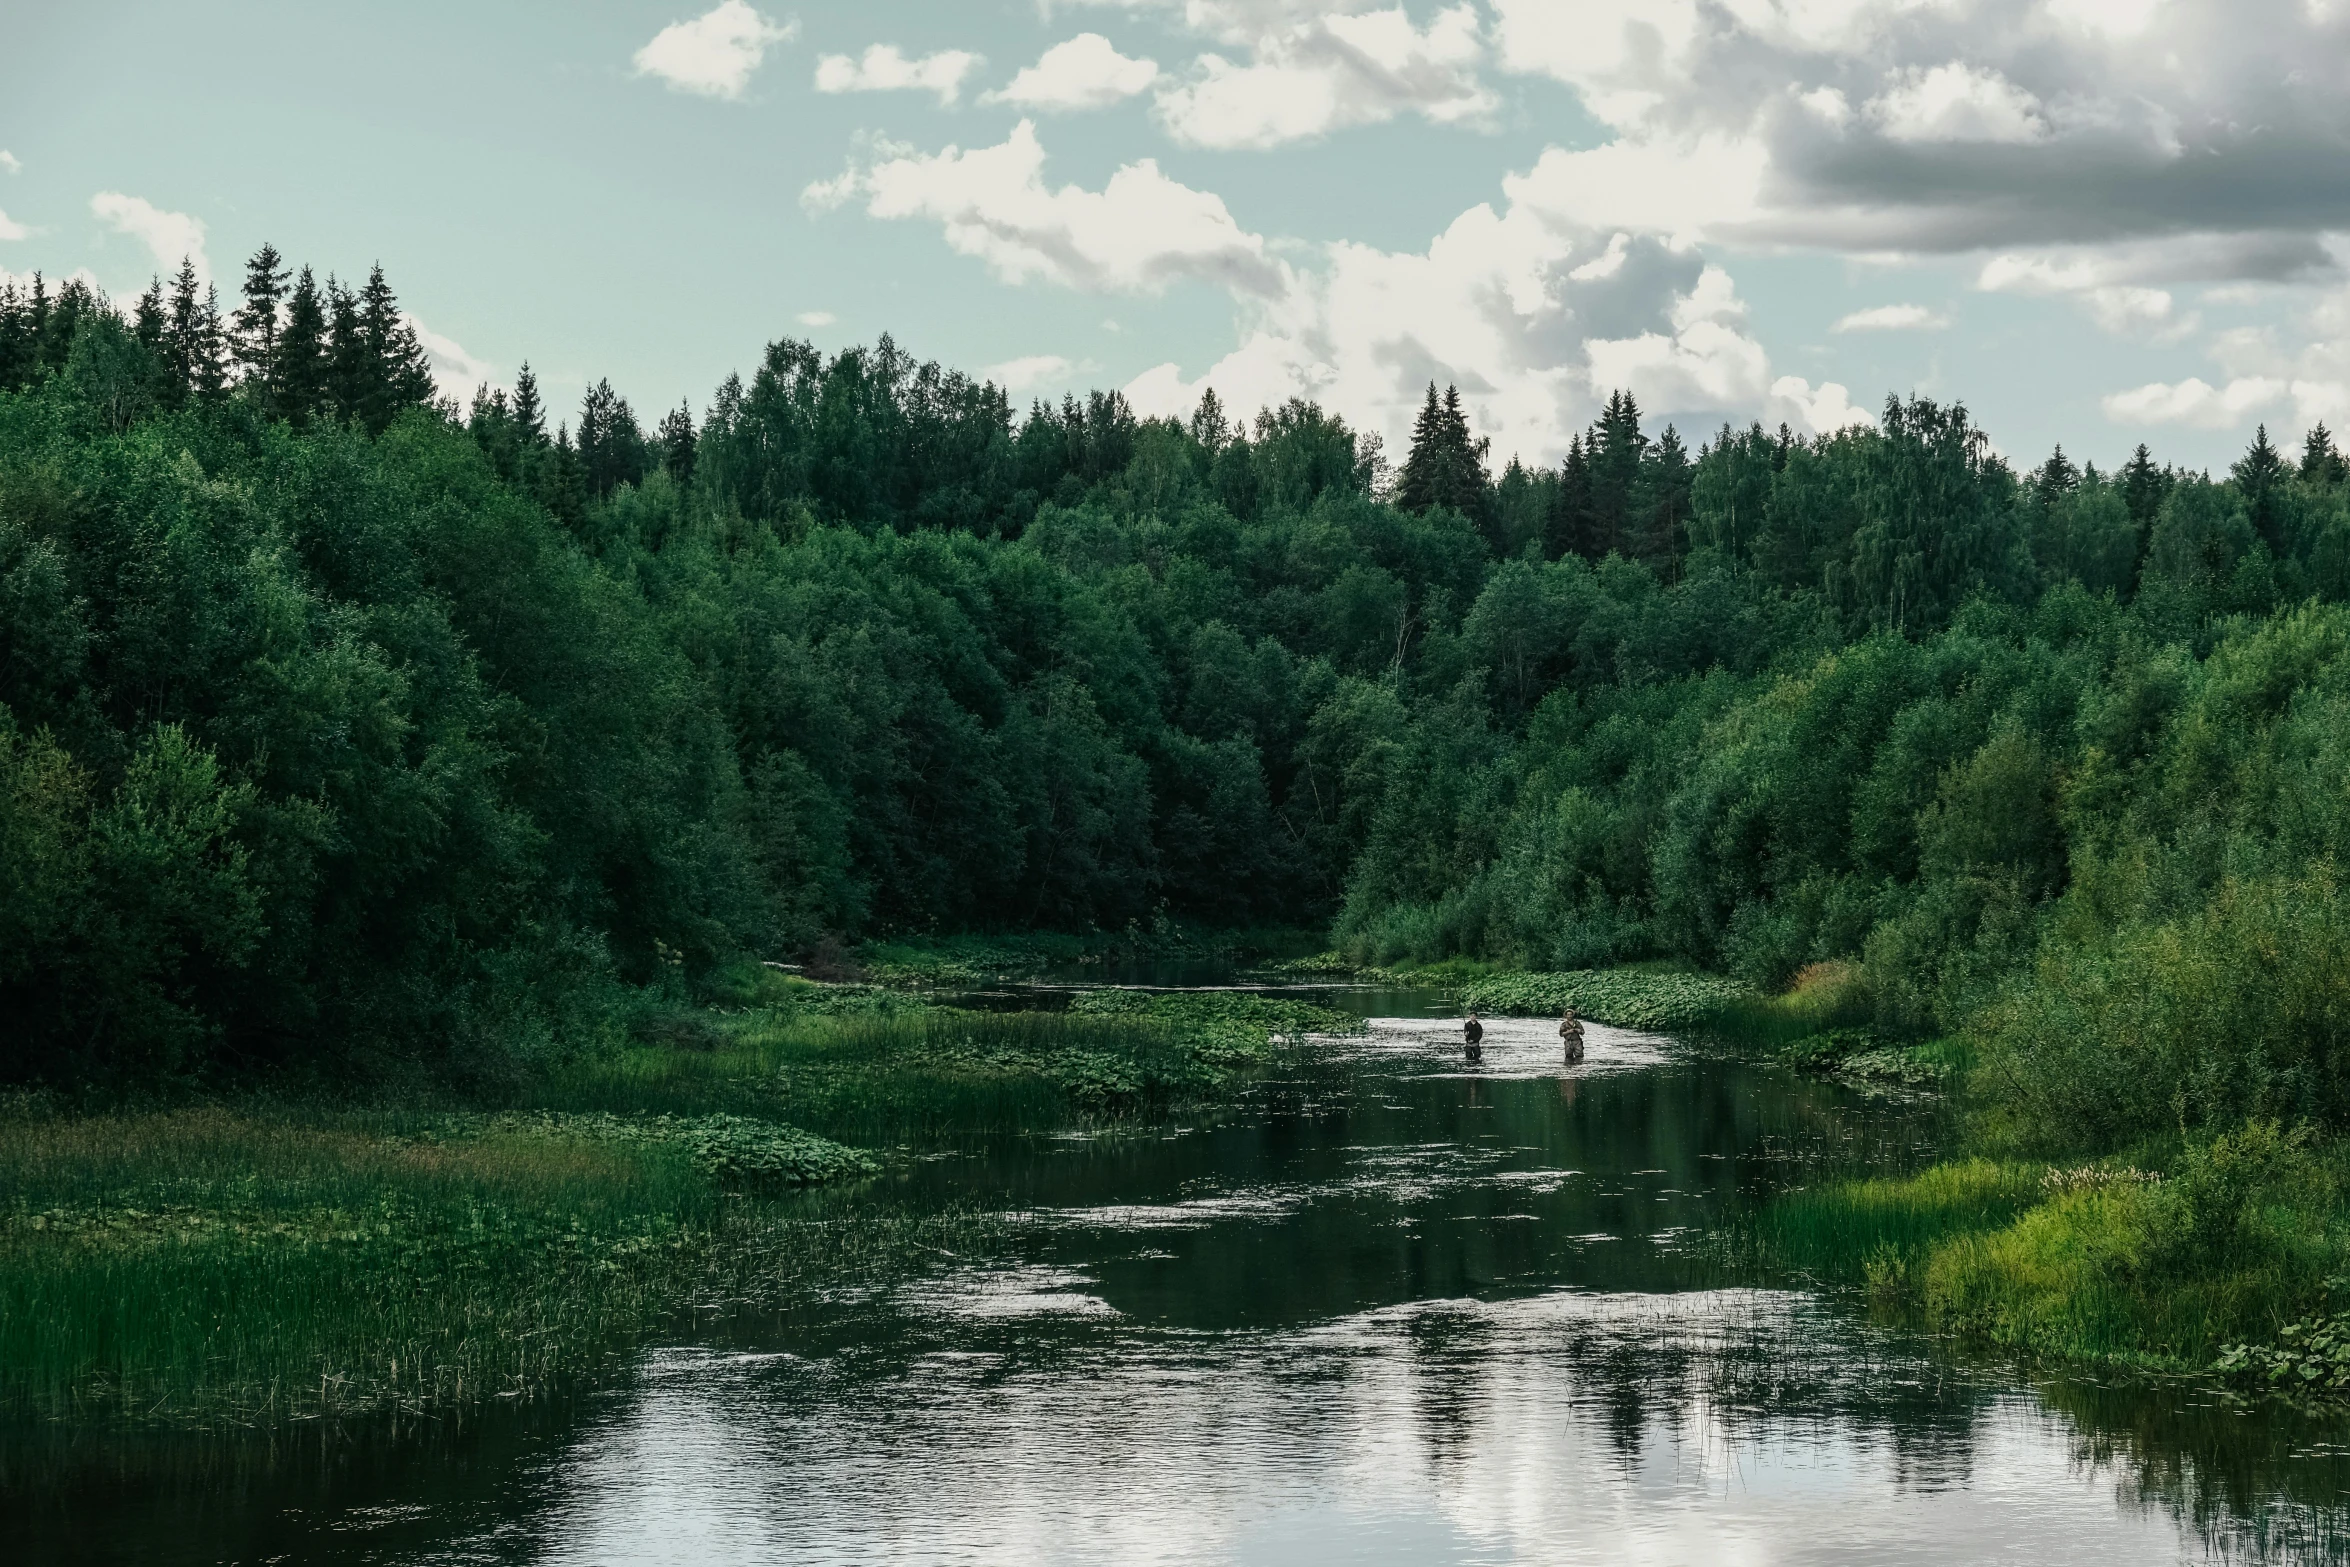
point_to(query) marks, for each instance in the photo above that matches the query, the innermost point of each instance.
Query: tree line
(341, 727)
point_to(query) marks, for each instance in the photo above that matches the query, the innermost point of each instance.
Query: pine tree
(2320, 462)
(208, 353)
(298, 369)
(1421, 483)
(491, 424)
(1663, 505)
(1445, 467)
(1466, 488)
(611, 447)
(2260, 480)
(151, 322)
(677, 443)
(350, 369)
(2143, 487)
(530, 415)
(563, 482)
(2056, 478)
(402, 372)
(184, 344)
(1614, 449)
(256, 324)
(1568, 531)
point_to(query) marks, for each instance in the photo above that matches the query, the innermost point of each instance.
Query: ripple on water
(1716, 1426)
(1514, 1048)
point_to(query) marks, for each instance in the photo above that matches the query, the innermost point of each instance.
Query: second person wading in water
(1473, 1036)
(1571, 1035)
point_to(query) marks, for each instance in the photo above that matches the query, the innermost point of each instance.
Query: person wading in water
(1473, 1035)
(1571, 1035)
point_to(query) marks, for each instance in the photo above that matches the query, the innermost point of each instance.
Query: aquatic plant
(1628, 998)
(210, 1265)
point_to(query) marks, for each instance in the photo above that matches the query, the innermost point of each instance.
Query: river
(1393, 1310)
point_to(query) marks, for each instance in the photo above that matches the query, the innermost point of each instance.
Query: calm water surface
(1398, 1311)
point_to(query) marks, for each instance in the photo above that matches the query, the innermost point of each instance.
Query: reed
(253, 1266)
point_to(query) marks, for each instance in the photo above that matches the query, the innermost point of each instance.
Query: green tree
(301, 370)
(256, 326)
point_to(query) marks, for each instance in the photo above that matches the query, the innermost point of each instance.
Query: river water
(1397, 1310)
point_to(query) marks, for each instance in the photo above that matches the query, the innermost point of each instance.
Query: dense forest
(341, 727)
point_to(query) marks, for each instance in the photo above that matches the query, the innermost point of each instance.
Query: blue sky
(2095, 221)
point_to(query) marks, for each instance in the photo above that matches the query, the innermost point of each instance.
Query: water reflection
(1399, 1310)
(1565, 1427)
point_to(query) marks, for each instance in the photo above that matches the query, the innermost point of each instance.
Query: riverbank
(256, 1261)
(2222, 1251)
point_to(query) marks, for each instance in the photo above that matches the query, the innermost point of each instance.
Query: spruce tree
(1663, 504)
(186, 333)
(530, 415)
(350, 369)
(563, 487)
(298, 370)
(677, 443)
(1445, 467)
(1568, 531)
(2260, 480)
(491, 424)
(401, 374)
(2320, 462)
(151, 322)
(1463, 483)
(256, 324)
(208, 354)
(611, 447)
(2056, 478)
(1614, 449)
(2143, 487)
(1417, 487)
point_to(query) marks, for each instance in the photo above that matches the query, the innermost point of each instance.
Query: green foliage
(339, 736)
(213, 1266)
(732, 1150)
(1629, 998)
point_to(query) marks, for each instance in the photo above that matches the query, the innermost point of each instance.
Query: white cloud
(10, 161)
(2194, 402)
(11, 229)
(455, 372)
(1795, 404)
(168, 236)
(1508, 306)
(883, 68)
(716, 52)
(817, 318)
(1892, 318)
(1955, 103)
(2211, 125)
(1139, 233)
(1310, 76)
(1028, 371)
(2122, 308)
(1086, 72)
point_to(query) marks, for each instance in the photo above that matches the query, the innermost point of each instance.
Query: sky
(2094, 222)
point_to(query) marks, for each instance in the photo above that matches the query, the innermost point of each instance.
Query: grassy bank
(2233, 1244)
(270, 1262)
(2211, 1246)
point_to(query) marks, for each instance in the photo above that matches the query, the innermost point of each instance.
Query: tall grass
(290, 1262)
(2102, 1262)
(215, 1265)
